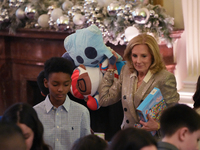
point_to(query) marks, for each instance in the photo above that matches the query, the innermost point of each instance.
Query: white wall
(174, 9)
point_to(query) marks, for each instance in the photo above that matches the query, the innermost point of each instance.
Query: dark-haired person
(180, 128)
(64, 120)
(26, 118)
(133, 139)
(11, 137)
(90, 142)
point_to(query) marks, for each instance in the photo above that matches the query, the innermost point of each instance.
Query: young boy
(180, 128)
(64, 120)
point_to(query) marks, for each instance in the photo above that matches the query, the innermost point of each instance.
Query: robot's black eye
(90, 52)
(80, 59)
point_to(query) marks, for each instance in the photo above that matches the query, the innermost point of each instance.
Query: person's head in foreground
(180, 126)
(11, 137)
(26, 118)
(90, 142)
(133, 139)
(143, 49)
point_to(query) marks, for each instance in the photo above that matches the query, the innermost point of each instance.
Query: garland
(114, 18)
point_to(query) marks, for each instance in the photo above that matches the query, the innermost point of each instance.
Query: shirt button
(57, 126)
(125, 109)
(57, 113)
(56, 139)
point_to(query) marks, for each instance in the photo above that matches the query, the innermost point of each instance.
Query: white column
(191, 14)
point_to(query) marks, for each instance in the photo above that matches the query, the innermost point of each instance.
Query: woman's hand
(110, 65)
(151, 125)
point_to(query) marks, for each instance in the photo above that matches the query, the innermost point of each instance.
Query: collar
(146, 78)
(166, 146)
(49, 106)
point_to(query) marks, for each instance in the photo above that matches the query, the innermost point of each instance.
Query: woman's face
(141, 58)
(28, 135)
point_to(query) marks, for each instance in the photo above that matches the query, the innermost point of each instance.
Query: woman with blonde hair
(144, 70)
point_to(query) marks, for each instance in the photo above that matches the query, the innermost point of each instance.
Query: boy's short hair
(178, 116)
(57, 64)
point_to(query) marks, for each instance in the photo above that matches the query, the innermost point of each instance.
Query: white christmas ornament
(66, 5)
(78, 19)
(43, 20)
(20, 14)
(131, 32)
(56, 13)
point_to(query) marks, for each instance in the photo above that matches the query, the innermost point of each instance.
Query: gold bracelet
(110, 70)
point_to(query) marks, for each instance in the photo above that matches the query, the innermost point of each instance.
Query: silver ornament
(87, 15)
(99, 16)
(112, 8)
(101, 27)
(66, 5)
(17, 5)
(120, 14)
(128, 7)
(4, 12)
(63, 22)
(121, 8)
(122, 36)
(30, 12)
(94, 16)
(69, 13)
(12, 1)
(21, 1)
(152, 13)
(88, 4)
(130, 17)
(141, 15)
(1, 19)
(156, 15)
(6, 18)
(91, 9)
(97, 22)
(49, 12)
(94, 2)
(37, 26)
(50, 8)
(125, 40)
(90, 21)
(126, 17)
(20, 14)
(97, 9)
(78, 19)
(92, 12)
(125, 11)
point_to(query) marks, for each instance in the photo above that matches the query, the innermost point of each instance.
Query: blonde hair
(157, 61)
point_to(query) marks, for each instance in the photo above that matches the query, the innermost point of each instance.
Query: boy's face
(191, 141)
(59, 85)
